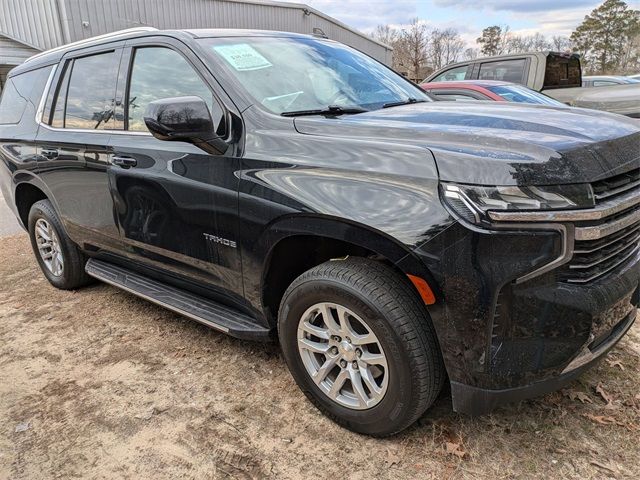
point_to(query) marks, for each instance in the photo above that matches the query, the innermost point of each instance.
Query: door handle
(124, 162)
(49, 153)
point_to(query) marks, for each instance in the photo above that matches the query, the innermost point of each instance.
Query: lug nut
(358, 353)
(334, 351)
(354, 365)
(336, 338)
(343, 363)
(348, 340)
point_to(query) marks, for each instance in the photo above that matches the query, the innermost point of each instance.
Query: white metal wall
(33, 22)
(48, 23)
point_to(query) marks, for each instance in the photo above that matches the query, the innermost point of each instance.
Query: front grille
(617, 237)
(595, 258)
(617, 185)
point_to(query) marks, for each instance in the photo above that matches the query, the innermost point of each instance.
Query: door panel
(73, 140)
(177, 209)
(176, 205)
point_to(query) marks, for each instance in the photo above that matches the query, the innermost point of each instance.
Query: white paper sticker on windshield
(242, 57)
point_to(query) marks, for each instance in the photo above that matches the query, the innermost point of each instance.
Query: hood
(495, 143)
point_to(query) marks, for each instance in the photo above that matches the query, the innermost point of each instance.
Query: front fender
(384, 213)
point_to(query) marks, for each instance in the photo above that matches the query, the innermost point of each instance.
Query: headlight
(472, 202)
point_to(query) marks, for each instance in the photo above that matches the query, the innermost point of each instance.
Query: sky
(469, 17)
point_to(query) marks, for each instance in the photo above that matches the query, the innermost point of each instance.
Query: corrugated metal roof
(14, 53)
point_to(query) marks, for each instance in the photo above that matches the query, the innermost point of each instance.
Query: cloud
(520, 6)
(366, 14)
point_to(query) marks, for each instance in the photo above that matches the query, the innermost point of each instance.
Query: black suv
(271, 184)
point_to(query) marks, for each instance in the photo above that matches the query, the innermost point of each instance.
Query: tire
(71, 275)
(375, 299)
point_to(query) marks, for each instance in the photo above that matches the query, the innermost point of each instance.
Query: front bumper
(509, 327)
(477, 401)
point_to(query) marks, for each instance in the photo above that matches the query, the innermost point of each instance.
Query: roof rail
(113, 35)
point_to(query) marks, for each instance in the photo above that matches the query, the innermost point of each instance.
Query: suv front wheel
(360, 345)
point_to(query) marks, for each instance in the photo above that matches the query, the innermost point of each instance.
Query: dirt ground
(97, 383)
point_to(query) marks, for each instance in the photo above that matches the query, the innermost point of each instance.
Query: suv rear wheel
(59, 258)
(360, 345)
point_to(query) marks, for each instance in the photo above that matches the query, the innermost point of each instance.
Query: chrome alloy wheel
(343, 356)
(49, 247)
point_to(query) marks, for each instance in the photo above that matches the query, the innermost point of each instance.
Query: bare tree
(470, 54)
(526, 43)
(445, 46)
(386, 34)
(561, 43)
(415, 43)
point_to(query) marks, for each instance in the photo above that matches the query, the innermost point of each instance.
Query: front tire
(59, 258)
(361, 346)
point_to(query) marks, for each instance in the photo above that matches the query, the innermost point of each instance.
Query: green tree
(603, 37)
(492, 40)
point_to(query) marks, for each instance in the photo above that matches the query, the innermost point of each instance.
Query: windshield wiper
(330, 110)
(402, 102)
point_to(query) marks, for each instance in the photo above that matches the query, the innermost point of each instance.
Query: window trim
(68, 65)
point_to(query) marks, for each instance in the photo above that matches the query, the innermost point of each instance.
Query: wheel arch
(300, 242)
(28, 190)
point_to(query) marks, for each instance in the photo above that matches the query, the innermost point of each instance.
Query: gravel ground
(8, 223)
(97, 383)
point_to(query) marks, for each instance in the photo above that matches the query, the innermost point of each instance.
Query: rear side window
(505, 70)
(20, 92)
(453, 74)
(158, 73)
(86, 94)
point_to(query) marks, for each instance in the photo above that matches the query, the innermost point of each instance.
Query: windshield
(520, 94)
(304, 74)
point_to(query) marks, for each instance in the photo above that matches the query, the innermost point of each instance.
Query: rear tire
(59, 258)
(381, 308)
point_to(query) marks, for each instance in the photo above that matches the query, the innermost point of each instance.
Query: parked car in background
(607, 80)
(558, 75)
(488, 90)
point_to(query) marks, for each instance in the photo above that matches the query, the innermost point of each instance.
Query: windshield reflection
(302, 74)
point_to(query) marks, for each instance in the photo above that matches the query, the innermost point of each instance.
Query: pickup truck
(558, 75)
(276, 186)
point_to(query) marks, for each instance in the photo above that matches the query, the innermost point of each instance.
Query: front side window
(505, 70)
(158, 73)
(90, 93)
(453, 74)
(306, 74)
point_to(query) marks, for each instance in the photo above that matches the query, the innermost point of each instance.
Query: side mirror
(184, 119)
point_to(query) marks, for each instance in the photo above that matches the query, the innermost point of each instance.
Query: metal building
(30, 26)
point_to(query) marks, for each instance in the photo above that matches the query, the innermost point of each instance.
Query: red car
(487, 90)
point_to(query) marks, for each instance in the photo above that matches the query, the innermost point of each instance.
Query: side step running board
(196, 307)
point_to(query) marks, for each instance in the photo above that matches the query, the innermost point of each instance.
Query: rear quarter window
(21, 93)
